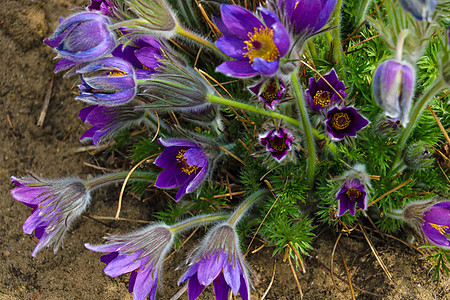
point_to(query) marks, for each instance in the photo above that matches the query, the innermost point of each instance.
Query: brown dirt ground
(75, 273)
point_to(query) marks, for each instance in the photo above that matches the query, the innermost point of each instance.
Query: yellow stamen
(278, 144)
(322, 97)
(353, 193)
(116, 73)
(260, 44)
(340, 120)
(440, 228)
(184, 166)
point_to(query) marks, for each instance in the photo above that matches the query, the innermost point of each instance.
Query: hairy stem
(199, 220)
(239, 212)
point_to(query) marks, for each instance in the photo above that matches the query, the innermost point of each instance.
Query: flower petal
(281, 38)
(146, 281)
(195, 288)
(232, 46)
(237, 68)
(221, 288)
(171, 177)
(239, 20)
(209, 268)
(265, 67)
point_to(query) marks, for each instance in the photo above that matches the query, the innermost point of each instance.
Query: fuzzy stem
(199, 220)
(362, 11)
(312, 49)
(220, 100)
(100, 181)
(400, 42)
(239, 212)
(193, 37)
(307, 128)
(437, 86)
(337, 50)
(395, 214)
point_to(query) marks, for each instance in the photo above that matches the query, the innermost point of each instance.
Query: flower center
(270, 91)
(323, 98)
(340, 120)
(278, 143)
(353, 194)
(183, 165)
(442, 229)
(260, 44)
(116, 73)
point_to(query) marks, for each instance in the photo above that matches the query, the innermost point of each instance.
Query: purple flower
(256, 47)
(108, 81)
(436, 224)
(321, 95)
(393, 88)
(269, 91)
(351, 193)
(82, 37)
(278, 142)
(344, 121)
(103, 6)
(143, 54)
(185, 166)
(307, 16)
(55, 205)
(420, 9)
(142, 253)
(218, 260)
(107, 121)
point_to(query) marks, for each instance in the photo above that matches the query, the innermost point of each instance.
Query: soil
(75, 273)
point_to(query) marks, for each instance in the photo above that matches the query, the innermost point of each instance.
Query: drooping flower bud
(323, 94)
(83, 37)
(269, 91)
(418, 156)
(55, 203)
(420, 9)
(108, 81)
(393, 88)
(278, 142)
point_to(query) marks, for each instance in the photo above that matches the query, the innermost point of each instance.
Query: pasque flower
(185, 166)
(278, 142)
(107, 121)
(103, 6)
(269, 91)
(307, 16)
(256, 47)
(83, 37)
(344, 121)
(219, 261)
(420, 9)
(141, 253)
(393, 88)
(321, 95)
(143, 53)
(55, 205)
(353, 192)
(108, 81)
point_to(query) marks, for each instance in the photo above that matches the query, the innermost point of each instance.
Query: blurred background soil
(75, 273)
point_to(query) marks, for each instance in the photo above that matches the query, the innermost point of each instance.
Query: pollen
(353, 194)
(441, 228)
(278, 143)
(270, 91)
(340, 120)
(260, 44)
(183, 165)
(323, 98)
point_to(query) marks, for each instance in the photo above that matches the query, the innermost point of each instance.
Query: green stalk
(224, 101)
(100, 181)
(307, 128)
(191, 36)
(312, 49)
(200, 220)
(426, 98)
(292, 121)
(239, 212)
(337, 50)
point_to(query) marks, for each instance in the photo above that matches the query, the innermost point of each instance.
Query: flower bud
(420, 9)
(386, 127)
(393, 88)
(418, 156)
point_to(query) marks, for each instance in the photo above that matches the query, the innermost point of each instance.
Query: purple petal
(146, 281)
(232, 274)
(189, 273)
(33, 221)
(110, 83)
(221, 288)
(171, 177)
(113, 99)
(196, 157)
(197, 180)
(325, 14)
(168, 157)
(265, 67)
(176, 142)
(29, 195)
(237, 68)
(232, 46)
(268, 16)
(195, 288)
(239, 20)
(132, 281)
(209, 268)
(244, 290)
(438, 215)
(123, 264)
(281, 38)
(84, 112)
(435, 236)
(107, 258)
